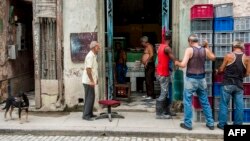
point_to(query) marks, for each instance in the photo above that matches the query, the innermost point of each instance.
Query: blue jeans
(164, 82)
(237, 94)
(198, 86)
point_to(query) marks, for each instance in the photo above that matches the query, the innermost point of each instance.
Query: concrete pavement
(135, 124)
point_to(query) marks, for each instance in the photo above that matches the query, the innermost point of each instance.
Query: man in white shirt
(90, 79)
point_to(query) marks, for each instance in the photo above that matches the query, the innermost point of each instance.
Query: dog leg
(27, 111)
(11, 110)
(5, 116)
(19, 115)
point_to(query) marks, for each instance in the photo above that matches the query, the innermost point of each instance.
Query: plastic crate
(246, 101)
(208, 65)
(217, 103)
(242, 23)
(217, 89)
(196, 103)
(202, 25)
(224, 38)
(198, 116)
(209, 89)
(246, 117)
(243, 36)
(221, 51)
(247, 49)
(223, 24)
(208, 76)
(246, 88)
(223, 10)
(218, 77)
(229, 118)
(246, 79)
(201, 11)
(205, 36)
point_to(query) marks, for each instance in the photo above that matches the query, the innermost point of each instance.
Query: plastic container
(246, 117)
(217, 89)
(221, 51)
(229, 118)
(247, 49)
(201, 11)
(246, 102)
(223, 10)
(210, 89)
(208, 65)
(243, 36)
(196, 103)
(242, 23)
(218, 77)
(202, 25)
(208, 76)
(205, 36)
(217, 103)
(246, 79)
(223, 24)
(246, 88)
(198, 116)
(223, 38)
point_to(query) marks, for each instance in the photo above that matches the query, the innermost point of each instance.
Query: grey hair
(238, 44)
(144, 39)
(193, 38)
(93, 44)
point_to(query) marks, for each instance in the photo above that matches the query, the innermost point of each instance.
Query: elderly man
(90, 80)
(235, 67)
(194, 60)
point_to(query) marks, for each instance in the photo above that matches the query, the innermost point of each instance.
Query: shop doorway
(20, 28)
(127, 21)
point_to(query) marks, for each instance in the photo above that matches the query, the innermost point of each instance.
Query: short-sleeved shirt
(90, 62)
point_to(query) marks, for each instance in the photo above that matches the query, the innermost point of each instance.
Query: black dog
(21, 102)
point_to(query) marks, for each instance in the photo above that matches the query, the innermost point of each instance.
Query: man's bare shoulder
(229, 56)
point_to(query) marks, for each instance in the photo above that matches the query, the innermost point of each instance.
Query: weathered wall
(79, 16)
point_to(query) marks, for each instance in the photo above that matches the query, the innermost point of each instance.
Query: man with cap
(90, 80)
(235, 67)
(194, 60)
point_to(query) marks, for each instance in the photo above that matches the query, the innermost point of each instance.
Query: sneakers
(88, 118)
(210, 127)
(148, 98)
(182, 125)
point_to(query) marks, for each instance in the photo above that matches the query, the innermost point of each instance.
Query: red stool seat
(110, 103)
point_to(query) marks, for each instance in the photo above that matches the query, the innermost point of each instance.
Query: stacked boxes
(242, 32)
(223, 38)
(202, 26)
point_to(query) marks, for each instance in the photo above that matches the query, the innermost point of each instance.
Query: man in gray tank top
(194, 60)
(235, 67)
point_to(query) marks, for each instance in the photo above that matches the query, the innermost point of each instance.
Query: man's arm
(151, 52)
(169, 52)
(186, 58)
(210, 54)
(224, 64)
(247, 64)
(89, 73)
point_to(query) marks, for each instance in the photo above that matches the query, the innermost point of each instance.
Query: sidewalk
(135, 124)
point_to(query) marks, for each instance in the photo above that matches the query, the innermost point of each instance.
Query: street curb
(108, 133)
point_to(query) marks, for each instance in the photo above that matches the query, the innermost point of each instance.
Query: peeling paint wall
(79, 16)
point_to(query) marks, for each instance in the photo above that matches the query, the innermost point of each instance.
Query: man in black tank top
(194, 60)
(235, 67)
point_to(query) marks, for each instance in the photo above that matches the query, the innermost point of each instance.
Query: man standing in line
(163, 76)
(90, 80)
(148, 62)
(194, 60)
(235, 67)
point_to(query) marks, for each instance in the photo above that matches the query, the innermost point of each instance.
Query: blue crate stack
(223, 38)
(203, 28)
